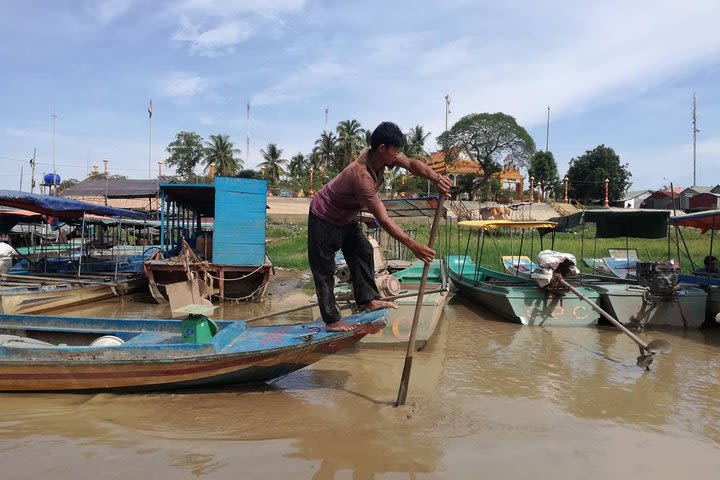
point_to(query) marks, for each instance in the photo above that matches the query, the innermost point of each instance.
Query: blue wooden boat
(49, 353)
(230, 260)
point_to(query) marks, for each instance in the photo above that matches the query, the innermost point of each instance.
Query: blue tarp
(60, 207)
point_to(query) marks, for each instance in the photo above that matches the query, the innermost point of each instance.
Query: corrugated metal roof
(114, 188)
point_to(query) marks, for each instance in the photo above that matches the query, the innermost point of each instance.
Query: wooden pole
(405, 379)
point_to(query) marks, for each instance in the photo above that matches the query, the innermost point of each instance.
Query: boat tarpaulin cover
(708, 220)
(61, 207)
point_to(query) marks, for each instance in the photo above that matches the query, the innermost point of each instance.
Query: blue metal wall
(239, 236)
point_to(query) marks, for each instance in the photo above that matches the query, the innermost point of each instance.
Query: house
(704, 201)
(663, 199)
(119, 193)
(690, 192)
(632, 199)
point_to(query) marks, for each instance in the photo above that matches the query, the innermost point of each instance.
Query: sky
(617, 73)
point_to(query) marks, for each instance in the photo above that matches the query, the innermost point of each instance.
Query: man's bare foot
(373, 305)
(341, 326)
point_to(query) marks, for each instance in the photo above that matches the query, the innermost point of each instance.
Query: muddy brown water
(487, 399)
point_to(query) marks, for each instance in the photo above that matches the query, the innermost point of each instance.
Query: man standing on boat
(333, 225)
(7, 257)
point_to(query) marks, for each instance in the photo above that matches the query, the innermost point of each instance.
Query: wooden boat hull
(635, 306)
(520, 299)
(43, 298)
(238, 282)
(154, 358)
(399, 324)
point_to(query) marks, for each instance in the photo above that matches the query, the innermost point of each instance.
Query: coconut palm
(325, 147)
(415, 145)
(350, 138)
(219, 151)
(298, 166)
(272, 166)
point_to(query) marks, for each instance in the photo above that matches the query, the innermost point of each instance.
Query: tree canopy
(544, 169)
(350, 137)
(587, 174)
(220, 152)
(271, 167)
(490, 138)
(186, 152)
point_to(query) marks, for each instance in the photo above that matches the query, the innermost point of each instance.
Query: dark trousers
(324, 240)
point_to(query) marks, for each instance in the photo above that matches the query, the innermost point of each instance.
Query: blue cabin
(219, 230)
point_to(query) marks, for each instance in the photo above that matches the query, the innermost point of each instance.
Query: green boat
(520, 299)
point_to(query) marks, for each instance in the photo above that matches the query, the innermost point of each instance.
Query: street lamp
(606, 203)
(565, 198)
(311, 192)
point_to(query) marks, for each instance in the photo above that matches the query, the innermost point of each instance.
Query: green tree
(544, 169)
(185, 153)
(489, 138)
(587, 173)
(298, 166)
(249, 173)
(65, 184)
(350, 139)
(415, 145)
(220, 152)
(325, 148)
(271, 167)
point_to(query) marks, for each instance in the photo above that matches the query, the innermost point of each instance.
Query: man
(7, 256)
(711, 267)
(332, 224)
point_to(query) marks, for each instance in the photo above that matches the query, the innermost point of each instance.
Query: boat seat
(149, 338)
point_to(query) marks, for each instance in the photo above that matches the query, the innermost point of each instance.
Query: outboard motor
(661, 278)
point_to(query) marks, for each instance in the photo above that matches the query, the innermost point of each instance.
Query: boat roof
(413, 207)
(707, 220)
(199, 197)
(61, 207)
(618, 222)
(522, 224)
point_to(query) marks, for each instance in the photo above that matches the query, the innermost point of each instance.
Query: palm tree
(350, 136)
(415, 146)
(366, 138)
(298, 166)
(272, 166)
(325, 147)
(219, 152)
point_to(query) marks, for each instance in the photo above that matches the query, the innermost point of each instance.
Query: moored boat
(47, 353)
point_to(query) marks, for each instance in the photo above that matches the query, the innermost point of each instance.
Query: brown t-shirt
(354, 189)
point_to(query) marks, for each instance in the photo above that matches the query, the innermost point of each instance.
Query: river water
(487, 399)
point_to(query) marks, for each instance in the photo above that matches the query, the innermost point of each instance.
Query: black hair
(708, 259)
(387, 133)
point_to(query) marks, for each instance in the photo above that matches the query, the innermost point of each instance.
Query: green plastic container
(198, 329)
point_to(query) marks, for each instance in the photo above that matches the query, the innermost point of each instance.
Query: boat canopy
(412, 207)
(198, 197)
(61, 207)
(708, 220)
(618, 222)
(521, 224)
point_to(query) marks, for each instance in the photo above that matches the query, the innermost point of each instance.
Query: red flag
(150, 109)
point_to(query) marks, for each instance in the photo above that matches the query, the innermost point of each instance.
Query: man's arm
(422, 252)
(416, 167)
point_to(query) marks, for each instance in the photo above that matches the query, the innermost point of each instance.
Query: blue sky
(617, 73)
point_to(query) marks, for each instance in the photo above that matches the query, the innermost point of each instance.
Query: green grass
(288, 247)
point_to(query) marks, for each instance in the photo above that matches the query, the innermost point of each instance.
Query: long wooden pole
(315, 304)
(405, 379)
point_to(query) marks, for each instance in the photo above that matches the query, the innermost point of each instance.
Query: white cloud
(109, 10)
(310, 81)
(183, 85)
(220, 39)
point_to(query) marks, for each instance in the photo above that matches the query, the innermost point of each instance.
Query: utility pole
(247, 135)
(547, 130)
(695, 132)
(21, 176)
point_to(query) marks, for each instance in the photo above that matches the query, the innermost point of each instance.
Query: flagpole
(149, 139)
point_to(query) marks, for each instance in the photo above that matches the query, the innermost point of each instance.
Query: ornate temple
(509, 177)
